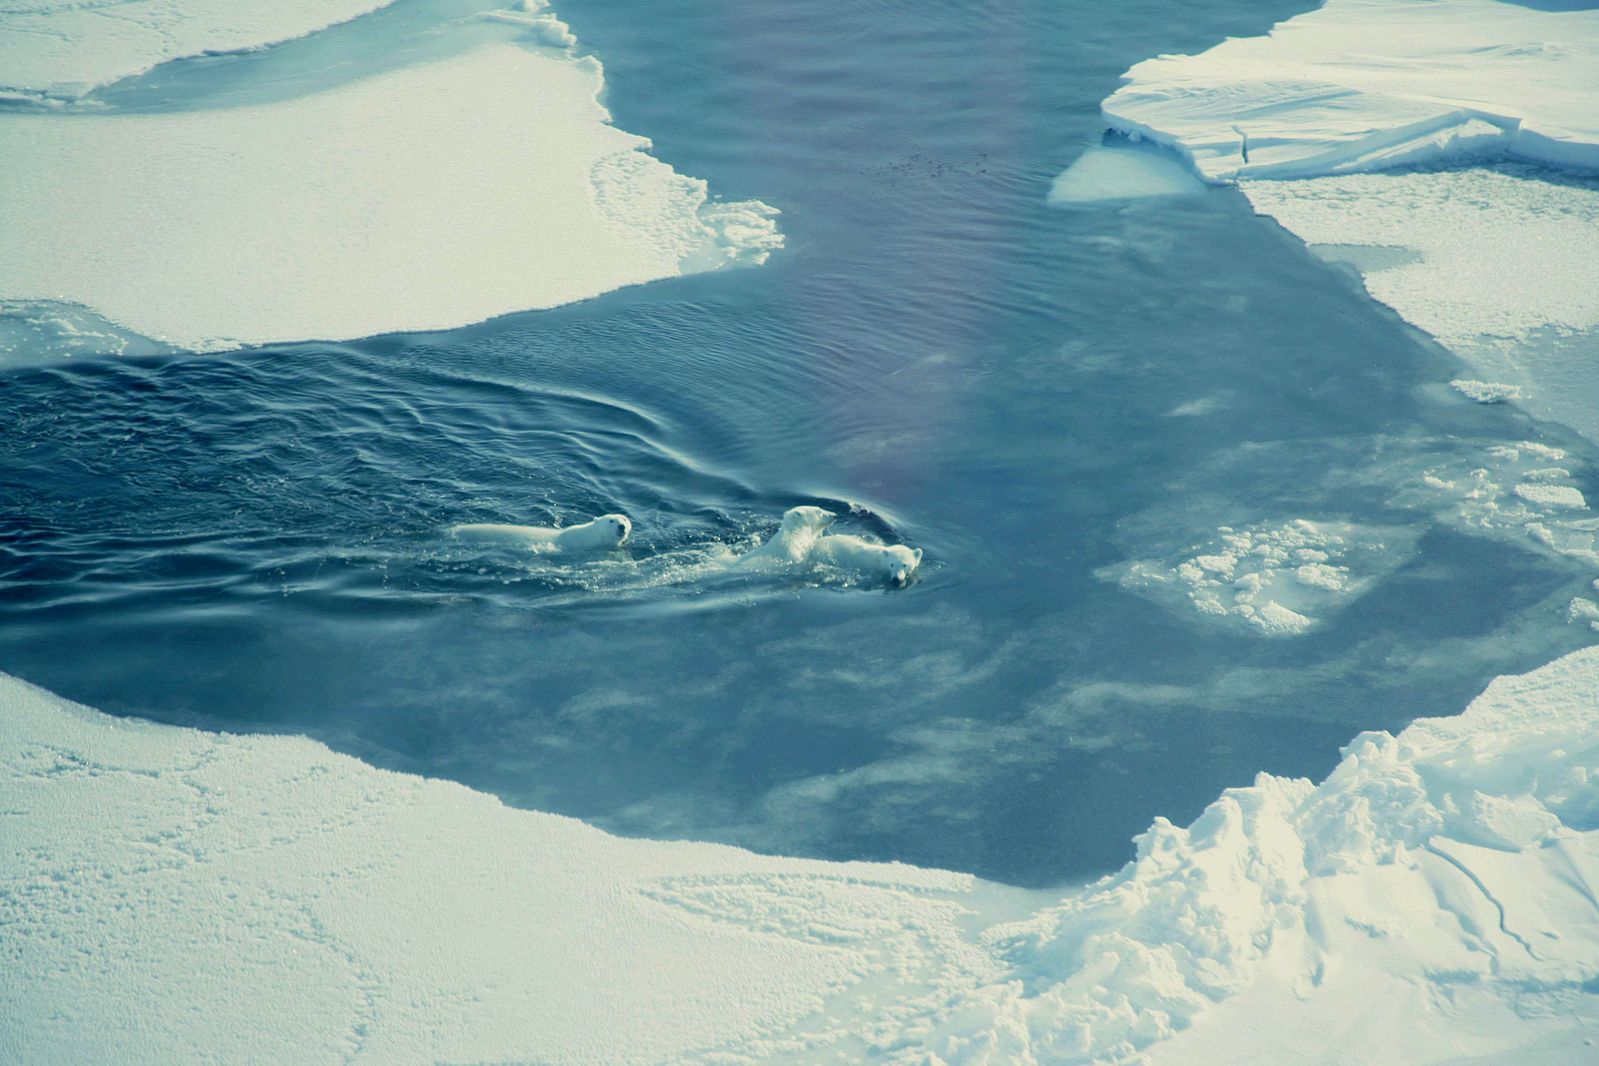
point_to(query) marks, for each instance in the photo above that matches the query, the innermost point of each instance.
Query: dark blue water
(253, 541)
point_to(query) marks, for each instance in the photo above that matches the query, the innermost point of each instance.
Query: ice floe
(64, 48)
(1372, 84)
(1491, 250)
(431, 195)
(1486, 391)
(174, 895)
(1278, 579)
(1496, 253)
(1510, 491)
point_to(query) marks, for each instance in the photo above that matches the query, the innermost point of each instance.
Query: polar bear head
(805, 520)
(597, 534)
(900, 562)
(617, 525)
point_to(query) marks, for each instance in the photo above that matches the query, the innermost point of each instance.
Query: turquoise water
(253, 541)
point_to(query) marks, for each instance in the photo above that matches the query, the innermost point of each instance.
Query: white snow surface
(1372, 84)
(430, 196)
(67, 47)
(171, 895)
(1495, 254)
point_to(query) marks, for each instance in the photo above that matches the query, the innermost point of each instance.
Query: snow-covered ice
(1371, 84)
(172, 895)
(1495, 253)
(1563, 497)
(1499, 266)
(67, 47)
(434, 195)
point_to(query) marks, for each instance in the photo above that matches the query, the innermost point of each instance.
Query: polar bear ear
(916, 553)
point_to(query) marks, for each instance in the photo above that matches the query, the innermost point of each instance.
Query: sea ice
(1486, 391)
(1372, 84)
(431, 196)
(171, 895)
(64, 48)
(31, 327)
(1496, 253)
(1560, 496)
(1510, 491)
(1279, 579)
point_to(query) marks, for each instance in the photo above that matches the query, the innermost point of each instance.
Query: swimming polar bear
(803, 538)
(893, 561)
(794, 539)
(598, 534)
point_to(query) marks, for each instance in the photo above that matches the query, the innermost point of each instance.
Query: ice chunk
(1279, 579)
(1561, 496)
(1506, 492)
(1486, 391)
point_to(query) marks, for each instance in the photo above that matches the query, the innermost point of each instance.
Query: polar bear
(803, 538)
(892, 561)
(598, 534)
(794, 539)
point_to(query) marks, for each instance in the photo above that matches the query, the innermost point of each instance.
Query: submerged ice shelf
(434, 195)
(171, 895)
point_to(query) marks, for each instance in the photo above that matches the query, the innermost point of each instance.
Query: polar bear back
(893, 561)
(846, 550)
(605, 531)
(530, 536)
(803, 539)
